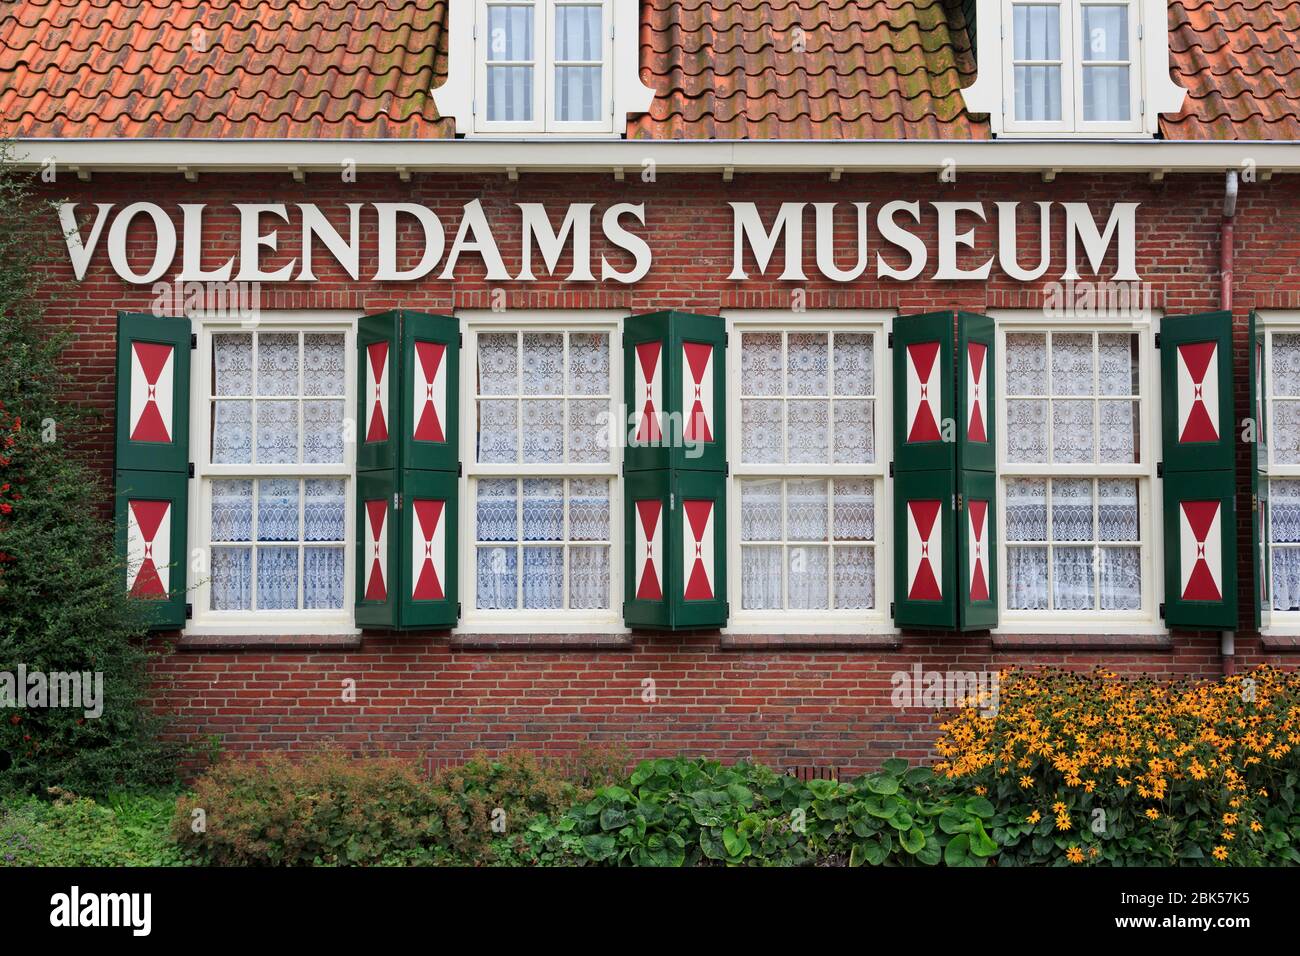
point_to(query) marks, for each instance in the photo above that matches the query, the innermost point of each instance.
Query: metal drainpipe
(1226, 638)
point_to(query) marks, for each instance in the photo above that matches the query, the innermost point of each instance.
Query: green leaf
(980, 807)
(613, 818)
(882, 784)
(895, 766)
(913, 841)
(735, 844)
(957, 852)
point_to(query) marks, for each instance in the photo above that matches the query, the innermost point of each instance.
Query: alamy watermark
(945, 689)
(70, 690)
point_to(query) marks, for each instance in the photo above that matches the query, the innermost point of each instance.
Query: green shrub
(63, 604)
(124, 830)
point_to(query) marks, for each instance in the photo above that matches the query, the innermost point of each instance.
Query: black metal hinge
(1162, 610)
(191, 469)
(1160, 469)
(889, 340)
(891, 608)
(189, 612)
(1157, 340)
(194, 340)
(891, 469)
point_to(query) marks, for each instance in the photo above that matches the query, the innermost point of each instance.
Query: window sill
(1082, 642)
(810, 642)
(1277, 641)
(541, 642)
(200, 643)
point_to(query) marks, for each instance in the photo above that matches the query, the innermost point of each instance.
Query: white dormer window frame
(1057, 68)
(523, 68)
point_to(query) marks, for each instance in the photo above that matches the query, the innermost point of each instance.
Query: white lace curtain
(277, 541)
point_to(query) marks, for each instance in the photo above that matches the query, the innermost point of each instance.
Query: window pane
(1072, 364)
(855, 440)
(277, 509)
(1118, 367)
(1285, 572)
(1072, 432)
(232, 510)
(1026, 363)
(1286, 364)
(510, 33)
(577, 33)
(277, 363)
(324, 364)
(855, 509)
(854, 364)
(498, 431)
(498, 364)
(806, 364)
(495, 509)
(498, 578)
(1072, 579)
(855, 578)
(760, 431)
(760, 510)
(322, 578)
(1117, 509)
(232, 432)
(543, 363)
(231, 583)
(806, 510)
(1038, 93)
(589, 578)
(809, 578)
(277, 579)
(544, 578)
(1105, 93)
(277, 433)
(1027, 579)
(760, 363)
(1071, 509)
(1037, 31)
(577, 94)
(1285, 433)
(543, 509)
(1121, 579)
(1027, 431)
(589, 509)
(589, 431)
(808, 431)
(1026, 509)
(1120, 433)
(1105, 33)
(589, 363)
(323, 432)
(543, 426)
(232, 364)
(760, 578)
(323, 509)
(510, 94)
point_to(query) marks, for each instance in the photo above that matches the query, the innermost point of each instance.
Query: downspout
(1226, 638)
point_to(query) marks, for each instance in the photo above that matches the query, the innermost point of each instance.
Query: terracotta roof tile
(729, 69)
(1239, 62)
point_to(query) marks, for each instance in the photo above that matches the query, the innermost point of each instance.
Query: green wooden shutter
(1199, 487)
(674, 375)
(922, 346)
(430, 391)
(1258, 412)
(379, 376)
(925, 558)
(675, 550)
(151, 458)
(977, 579)
(408, 463)
(427, 552)
(378, 561)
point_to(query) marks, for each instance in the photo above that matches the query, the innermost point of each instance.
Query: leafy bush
(63, 605)
(330, 809)
(124, 830)
(1092, 768)
(691, 812)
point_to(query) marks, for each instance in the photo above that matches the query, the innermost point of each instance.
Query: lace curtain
(1085, 566)
(1284, 534)
(807, 398)
(811, 522)
(277, 542)
(512, 515)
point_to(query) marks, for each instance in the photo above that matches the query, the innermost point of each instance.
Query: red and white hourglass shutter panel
(698, 550)
(926, 580)
(378, 563)
(925, 549)
(430, 371)
(675, 391)
(648, 553)
(1199, 481)
(924, 426)
(1258, 439)
(976, 472)
(376, 536)
(151, 452)
(428, 521)
(376, 391)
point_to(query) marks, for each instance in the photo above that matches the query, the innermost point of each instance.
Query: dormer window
(1072, 67)
(564, 67)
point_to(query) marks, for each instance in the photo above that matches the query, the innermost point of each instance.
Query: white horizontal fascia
(329, 157)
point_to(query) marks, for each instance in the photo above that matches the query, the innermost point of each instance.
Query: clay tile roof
(727, 69)
(1239, 60)
(221, 68)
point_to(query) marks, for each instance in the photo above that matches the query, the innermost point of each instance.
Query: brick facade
(796, 701)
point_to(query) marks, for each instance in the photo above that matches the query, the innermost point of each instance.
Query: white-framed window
(1072, 65)
(809, 408)
(543, 533)
(543, 65)
(271, 509)
(1279, 454)
(1078, 545)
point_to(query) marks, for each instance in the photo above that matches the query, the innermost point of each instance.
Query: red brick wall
(417, 694)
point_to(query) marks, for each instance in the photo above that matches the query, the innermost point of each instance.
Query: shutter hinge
(672, 500)
(891, 469)
(1162, 610)
(726, 469)
(960, 502)
(1157, 340)
(189, 612)
(458, 610)
(726, 338)
(1139, 31)
(891, 608)
(397, 501)
(1160, 469)
(889, 340)
(1254, 504)
(194, 340)
(191, 469)
(460, 338)
(460, 470)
